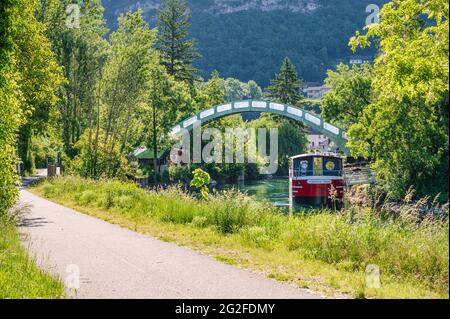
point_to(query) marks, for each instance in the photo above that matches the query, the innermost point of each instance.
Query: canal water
(275, 191)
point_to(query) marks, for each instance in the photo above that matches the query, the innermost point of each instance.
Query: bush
(109, 162)
(45, 148)
(179, 173)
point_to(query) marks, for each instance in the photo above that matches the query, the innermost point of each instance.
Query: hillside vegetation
(249, 41)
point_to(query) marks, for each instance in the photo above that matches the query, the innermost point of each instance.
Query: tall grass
(19, 276)
(405, 249)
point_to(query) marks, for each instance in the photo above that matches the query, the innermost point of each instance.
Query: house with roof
(145, 158)
(314, 90)
(318, 142)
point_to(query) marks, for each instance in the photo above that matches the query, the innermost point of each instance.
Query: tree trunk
(155, 150)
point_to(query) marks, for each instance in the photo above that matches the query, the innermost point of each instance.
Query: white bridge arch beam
(336, 134)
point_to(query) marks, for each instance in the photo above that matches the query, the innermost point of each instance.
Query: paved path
(114, 262)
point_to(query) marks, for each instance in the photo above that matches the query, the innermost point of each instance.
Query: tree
(210, 93)
(291, 139)
(351, 89)
(167, 102)
(81, 51)
(40, 78)
(405, 128)
(285, 88)
(125, 77)
(254, 91)
(107, 157)
(235, 90)
(10, 103)
(28, 77)
(177, 52)
(200, 181)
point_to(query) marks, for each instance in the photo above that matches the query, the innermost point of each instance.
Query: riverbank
(323, 251)
(19, 275)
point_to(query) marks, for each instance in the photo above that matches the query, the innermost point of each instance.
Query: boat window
(332, 166)
(318, 166)
(303, 167)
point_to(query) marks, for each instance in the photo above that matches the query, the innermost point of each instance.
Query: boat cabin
(316, 179)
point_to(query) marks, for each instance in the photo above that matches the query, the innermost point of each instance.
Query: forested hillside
(247, 39)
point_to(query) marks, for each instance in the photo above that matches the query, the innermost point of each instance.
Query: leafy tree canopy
(350, 93)
(405, 128)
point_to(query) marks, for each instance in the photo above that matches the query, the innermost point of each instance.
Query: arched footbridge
(336, 134)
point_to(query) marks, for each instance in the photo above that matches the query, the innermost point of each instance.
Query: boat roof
(316, 155)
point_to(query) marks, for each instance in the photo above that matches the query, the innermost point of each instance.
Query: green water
(275, 191)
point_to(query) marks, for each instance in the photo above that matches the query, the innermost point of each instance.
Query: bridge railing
(335, 133)
(358, 176)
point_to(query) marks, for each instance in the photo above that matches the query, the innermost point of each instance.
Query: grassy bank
(19, 276)
(324, 251)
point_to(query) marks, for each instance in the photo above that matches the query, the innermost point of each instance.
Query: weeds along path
(113, 262)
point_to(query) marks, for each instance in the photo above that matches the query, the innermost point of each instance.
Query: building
(314, 90)
(319, 142)
(144, 157)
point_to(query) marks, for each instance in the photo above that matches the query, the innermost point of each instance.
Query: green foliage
(179, 173)
(20, 278)
(236, 90)
(285, 88)
(200, 180)
(130, 60)
(405, 128)
(81, 53)
(10, 104)
(291, 138)
(350, 94)
(254, 91)
(177, 51)
(10, 119)
(167, 102)
(29, 76)
(46, 148)
(109, 161)
(248, 45)
(38, 78)
(121, 102)
(405, 249)
(211, 92)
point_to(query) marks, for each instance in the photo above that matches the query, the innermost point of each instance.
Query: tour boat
(316, 179)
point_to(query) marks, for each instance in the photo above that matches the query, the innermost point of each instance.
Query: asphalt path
(96, 259)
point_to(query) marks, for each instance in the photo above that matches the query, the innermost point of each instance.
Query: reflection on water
(275, 191)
